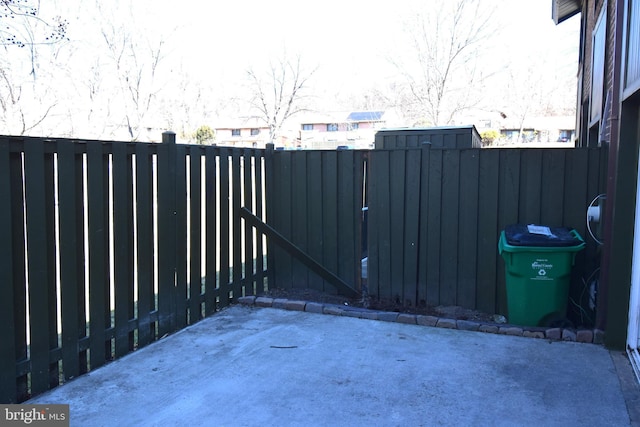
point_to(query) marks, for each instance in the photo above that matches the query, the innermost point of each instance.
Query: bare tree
(121, 84)
(441, 68)
(278, 92)
(21, 25)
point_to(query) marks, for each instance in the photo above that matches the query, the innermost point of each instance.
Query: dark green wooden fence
(435, 216)
(101, 249)
(107, 246)
(315, 200)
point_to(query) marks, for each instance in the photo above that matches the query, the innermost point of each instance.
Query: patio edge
(589, 336)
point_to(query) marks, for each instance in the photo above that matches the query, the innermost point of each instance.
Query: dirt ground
(451, 312)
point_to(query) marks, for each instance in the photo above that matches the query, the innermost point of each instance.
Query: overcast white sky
(210, 45)
(348, 39)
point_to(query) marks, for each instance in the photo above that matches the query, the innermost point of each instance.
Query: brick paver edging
(594, 336)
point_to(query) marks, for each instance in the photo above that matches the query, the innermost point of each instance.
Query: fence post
(167, 234)
(269, 193)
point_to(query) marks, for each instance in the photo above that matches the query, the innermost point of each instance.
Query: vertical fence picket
(281, 218)
(195, 231)
(98, 238)
(144, 244)
(7, 273)
(299, 220)
(271, 193)
(412, 225)
(181, 237)
(52, 246)
(330, 214)
(18, 246)
(38, 263)
(71, 258)
(225, 277)
(380, 219)
(488, 175)
(314, 206)
(122, 173)
(552, 188)
(449, 225)
(236, 203)
(423, 232)
(466, 294)
(211, 215)
(258, 210)
(434, 229)
(166, 233)
(348, 214)
(530, 186)
(247, 201)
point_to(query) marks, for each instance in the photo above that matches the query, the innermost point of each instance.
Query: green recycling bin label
(542, 268)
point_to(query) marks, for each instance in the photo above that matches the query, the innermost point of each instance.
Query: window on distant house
(255, 132)
(307, 127)
(332, 127)
(235, 132)
(354, 126)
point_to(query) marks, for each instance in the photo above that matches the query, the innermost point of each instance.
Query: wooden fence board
(181, 237)
(211, 225)
(236, 203)
(166, 242)
(98, 237)
(52, 245)
(508, 202)
(552, 188)
(195, 235)
(314, 202)
(434, 230)
(7, 319)
(530, 186)
(71, 258)
(144, 244)
(261, 286)
(299, 220)
(466, 294)
(412, 226)
(282, 217)
(123, 247)
(19, 305)
(488, 185)
(381, 223)
(38, 267)
(348, 211)
(423, 254)
(373, 250)
(225, 231)
(330, 214)
(397, 175)
(247, 187)
(449, 225)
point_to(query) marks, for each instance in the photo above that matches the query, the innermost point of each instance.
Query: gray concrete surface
(263, 366)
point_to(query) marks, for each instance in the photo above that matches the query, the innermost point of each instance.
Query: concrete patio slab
(262, 366)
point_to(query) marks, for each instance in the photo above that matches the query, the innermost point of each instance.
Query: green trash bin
(538, 262)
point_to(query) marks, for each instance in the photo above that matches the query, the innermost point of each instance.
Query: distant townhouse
(242, 132)
(355, 129)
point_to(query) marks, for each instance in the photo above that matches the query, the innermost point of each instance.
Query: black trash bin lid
(540, 235)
